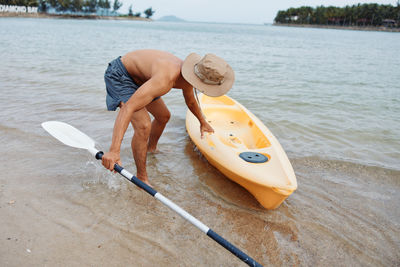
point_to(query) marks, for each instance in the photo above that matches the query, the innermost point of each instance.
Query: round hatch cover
(253, 157)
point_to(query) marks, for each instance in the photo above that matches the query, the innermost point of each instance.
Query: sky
(230, 11)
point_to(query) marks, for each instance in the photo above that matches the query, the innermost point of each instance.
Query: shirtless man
(135, 83)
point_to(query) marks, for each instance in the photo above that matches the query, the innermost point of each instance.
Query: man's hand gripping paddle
(71, 136)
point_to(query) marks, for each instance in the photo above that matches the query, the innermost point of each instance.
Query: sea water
(331, 97)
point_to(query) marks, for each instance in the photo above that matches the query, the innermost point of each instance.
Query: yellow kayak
(244, 150)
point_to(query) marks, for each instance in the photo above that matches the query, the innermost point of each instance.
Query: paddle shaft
(202, 227)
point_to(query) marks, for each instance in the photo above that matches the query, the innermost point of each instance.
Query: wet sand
(342, 214)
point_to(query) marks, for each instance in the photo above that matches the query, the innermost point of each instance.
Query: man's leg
(141, 123)
(161, 116)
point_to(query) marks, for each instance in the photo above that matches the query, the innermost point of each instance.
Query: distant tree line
(19, 2)
(77, 6)
(356, 15)
(148, 12)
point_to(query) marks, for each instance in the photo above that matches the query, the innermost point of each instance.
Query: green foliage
(117, 5)
(75, 5)
(103, 4)
(90, 5)
(42, 6)
(19, 2)
(149, 12)
(360, 14)
(130, 12)
(81, 6)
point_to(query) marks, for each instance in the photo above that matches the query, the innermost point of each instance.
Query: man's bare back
(141, 64)
(153, 74)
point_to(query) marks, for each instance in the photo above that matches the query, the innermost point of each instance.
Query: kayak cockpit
(235, 128)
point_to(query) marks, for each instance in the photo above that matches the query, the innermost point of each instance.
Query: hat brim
(207, 89)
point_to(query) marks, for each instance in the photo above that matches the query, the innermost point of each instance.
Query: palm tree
(149, 12)
(130, 12)
(117, 5)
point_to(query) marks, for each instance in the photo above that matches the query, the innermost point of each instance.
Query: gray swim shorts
(119, 84)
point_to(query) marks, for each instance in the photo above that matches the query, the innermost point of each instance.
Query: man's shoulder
(168, 65)
(150, 62)
(167, 68)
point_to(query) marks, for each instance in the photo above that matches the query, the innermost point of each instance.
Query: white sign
(18, 9)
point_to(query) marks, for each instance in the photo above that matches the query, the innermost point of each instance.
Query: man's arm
(195, 109)
(159, 84)
(141, 98)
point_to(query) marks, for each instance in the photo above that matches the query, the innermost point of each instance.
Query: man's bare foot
(153, 150)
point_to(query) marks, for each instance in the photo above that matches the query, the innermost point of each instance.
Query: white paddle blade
(68, 135)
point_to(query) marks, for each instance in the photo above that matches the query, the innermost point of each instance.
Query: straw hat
(210, 75)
